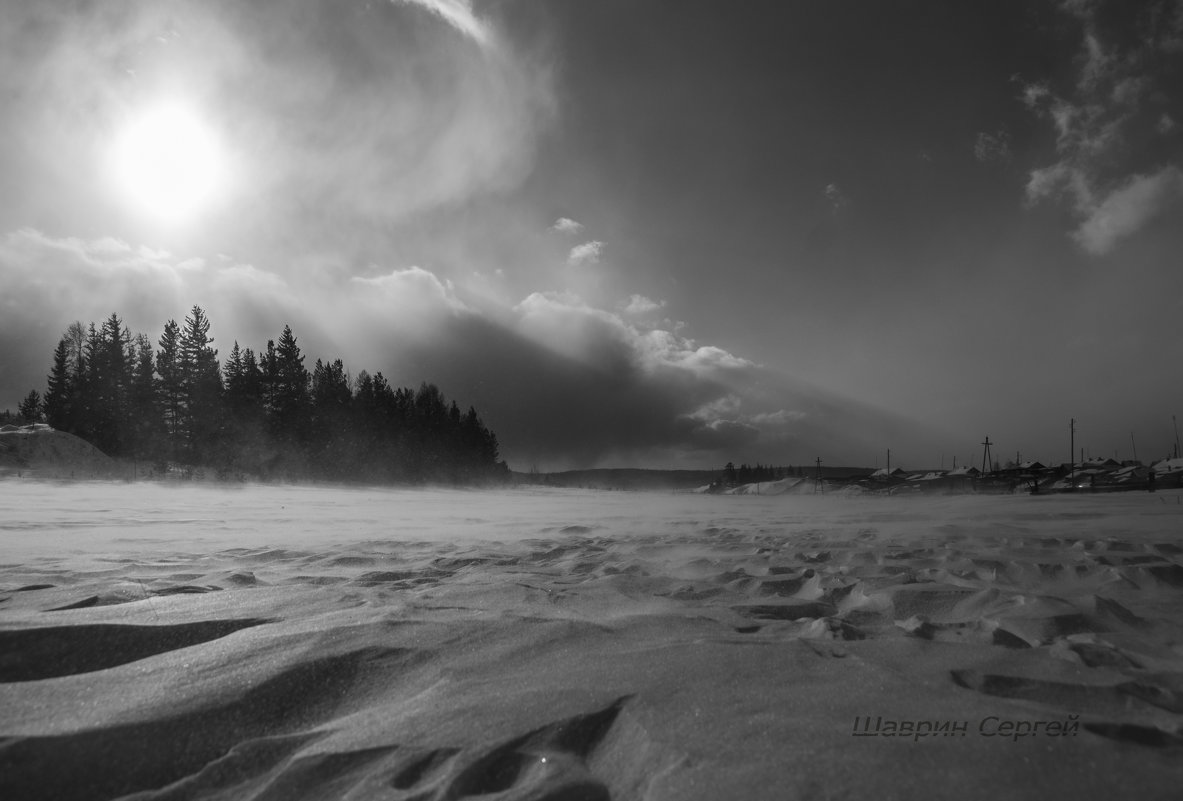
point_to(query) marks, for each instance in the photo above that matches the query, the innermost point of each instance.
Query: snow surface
(164, 641)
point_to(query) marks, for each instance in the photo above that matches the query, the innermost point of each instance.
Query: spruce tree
(201, 388)
(30, 408)
(146, 420)
(170, 387)
(58, 400)
(290, 400)
(331, 399)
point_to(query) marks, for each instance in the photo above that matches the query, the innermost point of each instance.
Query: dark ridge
(785, 588)
(1139, 735)
(31, 587)
(46, 653)
(1007, 640)
(242, 764)
(1168, 574)
(169, 749)
(351, 561)
(582, 734)
(382, 576)
(322, 776)
(494, 772)
(92, 600)
(422, 767)
(845, 630)
(1162, 697)
(1052, 693)
(1095, 655)
(582, 790)
(186, 589)
(1107, 608)
(787, 611)
(500, 769)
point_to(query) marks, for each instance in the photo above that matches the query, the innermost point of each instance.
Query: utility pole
(817, 480)
(889, 460)
(1072, 450)
(986, 456)
(1176, 425)
(1132, 445)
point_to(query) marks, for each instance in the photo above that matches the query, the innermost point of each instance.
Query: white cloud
(1128, 208)
(1095, 119)
(356, 120)
(724, 421)
(1061, 179)
(587, 253)
(781, 418)
(458, 14)
(565, 225)
(409, 289)
(640, 305)
(565, 323)
(836, 197)
(723, 408)
(992, 147)
(1034, 94)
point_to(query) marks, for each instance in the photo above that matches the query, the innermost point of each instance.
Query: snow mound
(794, 486)
(47, 453)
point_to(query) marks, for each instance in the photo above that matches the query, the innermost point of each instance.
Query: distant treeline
(263, 414)
(747, 474)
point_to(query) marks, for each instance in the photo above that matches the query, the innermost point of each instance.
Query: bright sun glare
(168, 163)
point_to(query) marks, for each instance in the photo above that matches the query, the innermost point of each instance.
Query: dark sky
(631, 232)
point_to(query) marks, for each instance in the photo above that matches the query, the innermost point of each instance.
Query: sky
(652, 233)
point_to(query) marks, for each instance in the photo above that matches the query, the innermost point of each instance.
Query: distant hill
(622, 478)
(627, 478)
(47, 453)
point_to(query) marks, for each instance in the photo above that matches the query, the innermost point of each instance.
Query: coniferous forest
(262, 414)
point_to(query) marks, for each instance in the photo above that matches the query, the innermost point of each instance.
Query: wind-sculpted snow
(301, 642)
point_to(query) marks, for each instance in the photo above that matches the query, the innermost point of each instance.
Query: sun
(167, 163)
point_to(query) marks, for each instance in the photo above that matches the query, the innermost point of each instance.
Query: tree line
(747, 474)
(176, 406)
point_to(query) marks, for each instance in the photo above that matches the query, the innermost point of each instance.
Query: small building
(1168, 466)
(964, 472)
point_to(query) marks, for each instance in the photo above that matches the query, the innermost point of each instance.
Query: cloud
(565, 225)
(563, 382)
(836, 197)
(411, 288)
(341, 118)
(1108, 167)
(458, 14)
(1128, 208)
(639, 305)
(992, 148)
(606, 341)
(587, 253)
